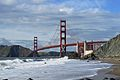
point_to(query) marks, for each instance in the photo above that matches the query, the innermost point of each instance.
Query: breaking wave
(17, 63)
(54, 69)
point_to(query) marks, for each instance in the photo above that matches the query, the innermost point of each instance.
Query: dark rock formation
(90, 57)
(30, 79)
(14, 51)
(112, 79)
(86, 79)
(5, 79)
(73, 55)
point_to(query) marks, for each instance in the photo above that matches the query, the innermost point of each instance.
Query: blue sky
(113, 6)
(86, 19)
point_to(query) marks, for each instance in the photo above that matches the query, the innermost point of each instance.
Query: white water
(49, 69)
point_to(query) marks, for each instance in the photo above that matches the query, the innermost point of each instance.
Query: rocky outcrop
(14, 51)
(110, 49)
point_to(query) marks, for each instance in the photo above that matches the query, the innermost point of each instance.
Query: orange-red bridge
(81, 47)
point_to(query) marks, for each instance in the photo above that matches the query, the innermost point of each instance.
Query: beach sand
(110, 73)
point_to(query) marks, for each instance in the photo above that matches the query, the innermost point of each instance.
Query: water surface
(49, 69)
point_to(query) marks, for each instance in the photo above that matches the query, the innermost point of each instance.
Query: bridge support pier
(84, 49)
(78, 49)
(35, 46)
(62, 38)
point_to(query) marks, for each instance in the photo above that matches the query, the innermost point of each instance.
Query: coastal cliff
(110, 49)
(14, 51)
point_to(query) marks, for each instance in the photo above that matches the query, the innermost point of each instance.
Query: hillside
(110, 49)
(27, 43)
(14, 51)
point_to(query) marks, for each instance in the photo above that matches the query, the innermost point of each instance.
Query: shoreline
(112, 73)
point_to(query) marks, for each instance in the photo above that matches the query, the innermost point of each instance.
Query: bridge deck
(71, 44)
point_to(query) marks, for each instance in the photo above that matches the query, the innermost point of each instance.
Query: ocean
(49, 69)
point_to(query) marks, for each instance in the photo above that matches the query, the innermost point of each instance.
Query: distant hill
(27, 43)
(110, 49)
(14, 51)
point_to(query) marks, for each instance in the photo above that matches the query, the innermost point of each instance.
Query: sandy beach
(112, 73)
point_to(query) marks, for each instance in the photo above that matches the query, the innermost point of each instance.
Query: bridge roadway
(81, 44)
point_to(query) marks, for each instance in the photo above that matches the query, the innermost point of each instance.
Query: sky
(86, 19)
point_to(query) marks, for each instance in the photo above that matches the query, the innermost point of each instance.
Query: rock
(118, 78)
(112, 79)
(45, 63)
(105, 78)
(80, 79)
(73, 55)
(88, 79)
(85, 79)
(14, 51)
(30, 79)
(110, 50)
(88, 61)
(5, 79)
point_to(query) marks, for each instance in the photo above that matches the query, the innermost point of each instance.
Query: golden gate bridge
(82, 48)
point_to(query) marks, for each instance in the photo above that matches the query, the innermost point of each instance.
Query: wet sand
(110, 73)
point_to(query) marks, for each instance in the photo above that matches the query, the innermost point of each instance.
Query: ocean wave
(20, 63)
(54, 69)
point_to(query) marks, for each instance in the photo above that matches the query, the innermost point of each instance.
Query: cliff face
(110, 49)
(14, 51)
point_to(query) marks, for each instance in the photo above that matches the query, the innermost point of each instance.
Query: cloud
(66, 10)
(87, 34)
(86, 19)
(7, 2)
(93, 11)
(38, 1)
(44, 9)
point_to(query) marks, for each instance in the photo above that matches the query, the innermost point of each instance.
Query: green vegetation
(111, 49)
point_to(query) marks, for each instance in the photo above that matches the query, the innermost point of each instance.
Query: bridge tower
(85, 46)
(78, 49)
(35, 46)
(62, 38)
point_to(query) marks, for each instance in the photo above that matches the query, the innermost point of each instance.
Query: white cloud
(38, 1)
(68, 7)
(68, 36)
(66, 10)
(32, 17)
(7, 2)
(94, 11)
(47, 9)
(32, 8)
